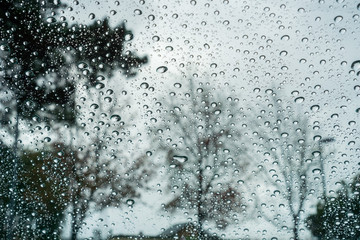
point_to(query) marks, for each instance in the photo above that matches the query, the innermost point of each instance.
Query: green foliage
(338, 217)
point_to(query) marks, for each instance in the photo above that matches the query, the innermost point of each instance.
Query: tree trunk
(14, 182)
(296, 227)
(200, 213)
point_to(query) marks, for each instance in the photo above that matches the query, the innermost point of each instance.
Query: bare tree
(101, 172)
(291, 155)
(200, 133)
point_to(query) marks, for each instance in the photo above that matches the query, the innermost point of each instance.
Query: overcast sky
(305, 46)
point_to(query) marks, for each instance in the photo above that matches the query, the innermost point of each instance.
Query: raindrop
(115, 118)
(155, 38)
(151, 17)
(299, 99)
(315, 108)
(137, 11)
(113, 12)
(285, 37)
(92, 16)
(316, 153)
(177, 85)
(284, 134)
(82, 65)
(301, 10)
(161, 69)
(169, 48)
(130, 202)
(99, 86)
(338, 19)
(342, 31)
(128, 37)
(316, 170)
(283, 53)
(356, 65)
(94, 106)
(100, 78)
(144, 85)
(181, 159)
(50, 20)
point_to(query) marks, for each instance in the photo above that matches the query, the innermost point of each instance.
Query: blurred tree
(339, 216)
(102, 175)
(37, 55)
(290, 151)
(199, 132)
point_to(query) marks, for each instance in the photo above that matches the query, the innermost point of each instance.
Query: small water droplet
(92, 16)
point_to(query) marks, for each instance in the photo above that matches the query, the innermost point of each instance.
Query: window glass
(192, 119)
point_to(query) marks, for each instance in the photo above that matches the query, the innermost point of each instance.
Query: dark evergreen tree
(37, 57)
(338, 217)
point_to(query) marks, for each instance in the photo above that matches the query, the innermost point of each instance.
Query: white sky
(247, 44)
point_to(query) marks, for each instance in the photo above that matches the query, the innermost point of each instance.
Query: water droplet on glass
(50, 20)
(144, 85)
(181, 159)
(130, 202)
(92, 16)
(151, 17)
(155, 38)
(283, 53)
(338, 19)
(315, 108)
(128, 37)
(115, 118)
(299, 99)
(94, 106)
(137, 11)
(285, 37)
(82, 65)
(99, 86)
(177, 85)
(161, 69)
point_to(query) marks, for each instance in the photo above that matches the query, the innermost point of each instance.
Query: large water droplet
(338, 19)
(299, 99)
(115, 118)
(161, 69)
(181, 159)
